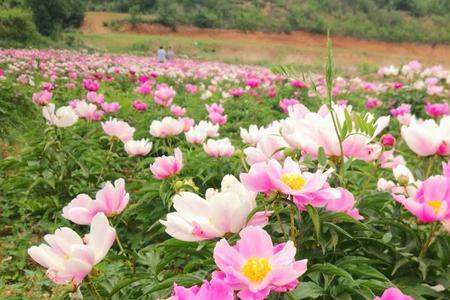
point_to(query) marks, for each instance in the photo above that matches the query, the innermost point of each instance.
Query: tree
(168, 13)
(50, 16)
(76, 10)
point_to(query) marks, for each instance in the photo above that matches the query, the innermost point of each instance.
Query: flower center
(256, 269)
(294, 181)
(435, 205)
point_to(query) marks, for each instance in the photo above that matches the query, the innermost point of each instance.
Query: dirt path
(297, 47)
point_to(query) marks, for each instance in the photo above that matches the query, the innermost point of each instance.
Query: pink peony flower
(72, 75)
(190, 88)
(221, 212)
(177, 111)
(87, 110)
(215, 108)
(144, 78)
(389, 161)
(254, 266)
(111, 107)
(70, 85)
(138, 148)
(437, 109)
(271, 93)
(253, 82)
(46, 86)
(342, 102)
(373, 103)
(118, 129)
(219, 148)
(432, 81)
(401, 110)
(431, 202)
(428, 138)
(387, 140)
(286, 103)
(167, 166)
(42, 98)
(195, 135)
(144, 89)
(435, 90)
(215, 289)
(110, 200)
(64, 116)
(73, 103)
(168, 126)
(393, 294)
(268, 147)
(187, 123)
(91, 85)
(236, 92)
(69, 258)
(212, 130)
(287, 178)
(164, 95)
(139, 105)
(96, 116)
(345, 204)
(298, 84)
(446, 169)
(217, 118)
(95, 98)
(251, 136)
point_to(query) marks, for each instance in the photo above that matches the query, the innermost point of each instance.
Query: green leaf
(127, 282)
(365, 271)
(307, 290)
(322, 158)
(331, 269)
(314, 215)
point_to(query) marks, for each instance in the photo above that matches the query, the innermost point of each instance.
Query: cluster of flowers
(70, 258)
(253, 267)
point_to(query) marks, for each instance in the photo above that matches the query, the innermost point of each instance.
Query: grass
(228, 51)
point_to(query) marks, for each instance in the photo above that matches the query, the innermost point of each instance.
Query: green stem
(430, 165)
(244, 164)
(279, 223)
(93, 289)
(429, 240)
(329, 80)
(108, 156)
(293, 228)
(119, 244)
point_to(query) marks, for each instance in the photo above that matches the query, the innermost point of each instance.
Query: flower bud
(388, 140)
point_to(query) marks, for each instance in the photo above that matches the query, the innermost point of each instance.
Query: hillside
(388, 20)
(306, 50)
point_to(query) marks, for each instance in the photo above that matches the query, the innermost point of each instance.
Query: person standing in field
(170, 54)
(161, 55)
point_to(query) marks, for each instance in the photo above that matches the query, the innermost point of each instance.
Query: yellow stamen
(435, 205)
(256, 269)
(294, 181)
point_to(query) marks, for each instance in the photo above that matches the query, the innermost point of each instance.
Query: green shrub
(134, 12)
(75, 13)
(17, 28)
(206, 19)
(168, 13)
(51, 16)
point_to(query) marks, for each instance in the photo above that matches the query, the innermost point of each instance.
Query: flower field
(124, 178)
